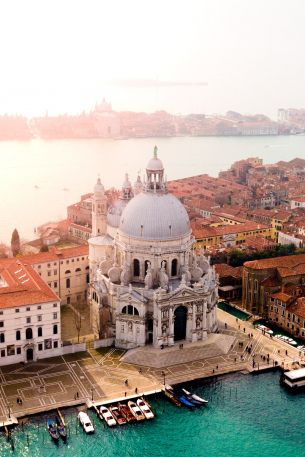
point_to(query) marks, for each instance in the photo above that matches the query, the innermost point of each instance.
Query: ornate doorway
(29, 354)
(180, 323)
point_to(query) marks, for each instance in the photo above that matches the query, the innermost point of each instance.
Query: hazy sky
(57, 55)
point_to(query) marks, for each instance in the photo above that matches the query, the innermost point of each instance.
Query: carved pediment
(183, 294)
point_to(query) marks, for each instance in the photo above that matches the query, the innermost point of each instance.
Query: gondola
(186, 401)
(52, 430)
(61, 428)
(195, 398)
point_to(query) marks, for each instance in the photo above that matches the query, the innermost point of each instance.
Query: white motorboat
(85, 421)
(195, 397)
(144, 407)
(265, 329)
(108, 417)
(136, 411)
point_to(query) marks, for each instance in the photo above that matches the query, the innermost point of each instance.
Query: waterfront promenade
(100, 375)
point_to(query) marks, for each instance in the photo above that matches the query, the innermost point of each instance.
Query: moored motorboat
(126, 412)
(136, 411)
(145, 408)
(61, 428)
(85, 422)
(264, 329)
(194, 397)
(52, 430)
(117, 415)
(108, 417)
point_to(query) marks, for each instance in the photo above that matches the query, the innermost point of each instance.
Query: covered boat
(85, 422)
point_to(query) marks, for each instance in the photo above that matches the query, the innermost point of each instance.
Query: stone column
(194, 329)
(189, 323)
(171, 327)
(204, 319)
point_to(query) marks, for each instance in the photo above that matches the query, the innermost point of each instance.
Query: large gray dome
(153, 216)
(115, 212)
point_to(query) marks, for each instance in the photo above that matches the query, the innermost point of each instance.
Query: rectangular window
(49, 265)
(1, 323)
(49, 273)
(39, 307)
(55, 272)
(17, 310)
(1, 312)
(28, 309)
(55, 284)
(40, 347)
(11, 349)
(39, 266)
(54, 315)
(54, 264)
(54, 305)
(2, 352)
(49, 284)
(28, 320)
(18, 350)
(39, 318)
(55, 344)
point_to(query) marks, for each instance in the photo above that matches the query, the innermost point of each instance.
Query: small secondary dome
(153, 216)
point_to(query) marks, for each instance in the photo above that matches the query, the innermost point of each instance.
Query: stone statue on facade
(186, 272)
(204, 263)
(125, 275)
(163, 278)
(148, 277)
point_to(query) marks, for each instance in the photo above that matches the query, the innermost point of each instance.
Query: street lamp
(9, 410)
(163, 374)
(92, 393)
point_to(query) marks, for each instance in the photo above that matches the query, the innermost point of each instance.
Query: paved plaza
(101, 374)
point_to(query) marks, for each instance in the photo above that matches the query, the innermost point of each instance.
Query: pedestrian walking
(125, 394)
(136, 390)
(126, 382)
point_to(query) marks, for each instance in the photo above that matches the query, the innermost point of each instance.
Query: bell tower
(99, 210)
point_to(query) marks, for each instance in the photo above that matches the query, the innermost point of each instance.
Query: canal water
(247, 416)
(234, 311)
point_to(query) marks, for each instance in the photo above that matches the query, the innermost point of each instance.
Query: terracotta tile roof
(282, 296)
(21, 285)
(226, 270)
(206, 232)
(55, 254)
(298, 308)
(289, 261)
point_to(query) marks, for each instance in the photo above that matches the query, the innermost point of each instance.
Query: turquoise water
(247, 416)
(234, 311)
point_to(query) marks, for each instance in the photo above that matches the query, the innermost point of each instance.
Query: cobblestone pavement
(101, 374)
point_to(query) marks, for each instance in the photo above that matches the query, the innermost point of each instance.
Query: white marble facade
(147, 285)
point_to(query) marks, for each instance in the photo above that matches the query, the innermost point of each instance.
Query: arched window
(146, 263)
(55, 329)
(29, 333)
(174, 267)
(67, 272)
(39, 331)
(68, 283)
(78, 270)
(18, 335)
(136, 267)
(2, 338)
(164, 263)
(131, 310)
(87, 278)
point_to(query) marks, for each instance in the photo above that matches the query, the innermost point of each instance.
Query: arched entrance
(180, 323)
(29, 354)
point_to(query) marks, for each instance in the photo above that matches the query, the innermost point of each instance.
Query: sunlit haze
(62, 56)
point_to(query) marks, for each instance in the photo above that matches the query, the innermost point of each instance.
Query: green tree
(15, 243)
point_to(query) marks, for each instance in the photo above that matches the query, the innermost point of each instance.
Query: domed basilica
(147, 284)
